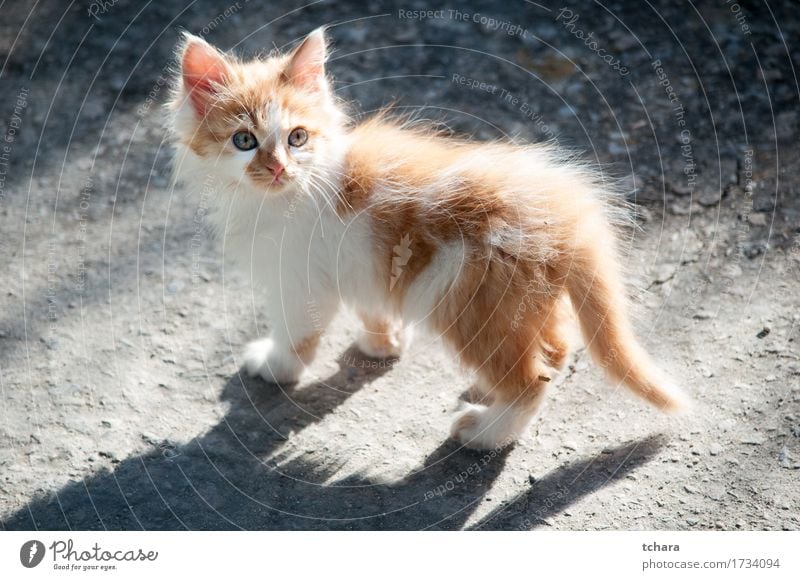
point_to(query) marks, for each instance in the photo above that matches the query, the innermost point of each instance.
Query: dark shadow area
(222, 480)
(563, 487)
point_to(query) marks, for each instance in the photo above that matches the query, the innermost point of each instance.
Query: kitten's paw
(481, 427)
(263, 358)
(389, 344)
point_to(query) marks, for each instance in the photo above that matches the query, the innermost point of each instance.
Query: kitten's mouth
(279, 181)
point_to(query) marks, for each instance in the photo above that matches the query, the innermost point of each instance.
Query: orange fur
(532, 232)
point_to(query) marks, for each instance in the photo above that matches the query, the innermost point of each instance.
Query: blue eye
(244, 140)
(298, 137)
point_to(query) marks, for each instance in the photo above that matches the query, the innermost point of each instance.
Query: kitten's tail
(595, 287)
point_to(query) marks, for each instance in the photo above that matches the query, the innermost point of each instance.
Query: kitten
(488, 245)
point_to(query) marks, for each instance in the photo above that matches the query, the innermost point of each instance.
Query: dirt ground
(121, 328)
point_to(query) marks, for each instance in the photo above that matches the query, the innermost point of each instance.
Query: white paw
(263, 358)
(390, 345)
(494, 427)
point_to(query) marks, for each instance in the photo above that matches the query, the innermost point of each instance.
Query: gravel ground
(120, 333)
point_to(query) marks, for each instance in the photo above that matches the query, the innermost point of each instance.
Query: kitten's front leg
(296, 326)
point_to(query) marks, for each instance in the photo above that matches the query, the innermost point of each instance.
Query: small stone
(763, 332)
(678, 209)
(701, 315)
(680, 188)
(50, 343)
(785, 459)
(709, 198)
(755, 439)
(664, 273)
(690, 489)
(715, 449)
(175, 287)
(150, 438)
(757, 219)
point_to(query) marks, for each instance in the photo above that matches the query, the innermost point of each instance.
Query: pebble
(690, 489)
(715, 449)
(786, 459)
(709, 198)
(175, 287)
(51, 343)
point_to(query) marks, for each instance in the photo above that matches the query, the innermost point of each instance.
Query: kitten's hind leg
(502, 422)
(515, 374)
(555, 342)
(382, 337)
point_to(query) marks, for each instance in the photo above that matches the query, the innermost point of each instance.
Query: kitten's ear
(204, 70)
(306, 68)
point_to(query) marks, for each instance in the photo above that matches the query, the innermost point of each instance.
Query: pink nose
(275, 167)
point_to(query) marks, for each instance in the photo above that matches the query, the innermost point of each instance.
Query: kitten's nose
(276, 167)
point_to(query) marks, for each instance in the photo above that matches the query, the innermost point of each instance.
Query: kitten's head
(271, 124)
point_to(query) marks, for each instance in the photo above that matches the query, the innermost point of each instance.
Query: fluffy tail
(598, 296)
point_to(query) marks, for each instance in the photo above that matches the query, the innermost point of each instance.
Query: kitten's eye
(298, 137)
(245, 140)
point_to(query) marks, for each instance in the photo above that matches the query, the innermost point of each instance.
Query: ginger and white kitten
(488, 245)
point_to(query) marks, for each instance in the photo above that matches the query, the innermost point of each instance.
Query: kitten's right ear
(204, 70)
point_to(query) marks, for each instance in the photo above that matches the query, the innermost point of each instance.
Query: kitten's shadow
(224, 479)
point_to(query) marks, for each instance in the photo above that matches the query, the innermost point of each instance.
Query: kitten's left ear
(306, 68)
